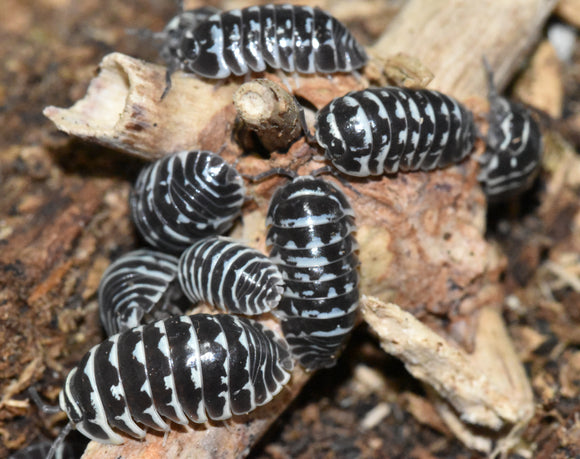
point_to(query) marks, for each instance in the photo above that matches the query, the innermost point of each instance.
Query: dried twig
(267, 109)
(122, 109)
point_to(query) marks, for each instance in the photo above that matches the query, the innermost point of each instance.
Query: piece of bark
(268, 110)
(488, 388)
(123, 109)
(450, 37)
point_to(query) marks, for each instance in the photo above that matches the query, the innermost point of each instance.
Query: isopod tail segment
(186, 196)
(514, 146)
(139, 287)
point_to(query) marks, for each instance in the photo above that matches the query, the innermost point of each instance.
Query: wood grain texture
(450, 37)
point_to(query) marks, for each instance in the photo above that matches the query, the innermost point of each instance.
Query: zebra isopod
(310, 233)
(230, 276)
(292, 38)
(181, 369)
(514, 147)
(184, 197)
(374, 131)
(138, 287)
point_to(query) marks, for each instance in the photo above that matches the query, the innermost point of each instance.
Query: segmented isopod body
(230, 276)
(389, 129)
(292, 38)
(139, 287)
(310, 230)
(514, 148)
(183, 368)
(184, 197)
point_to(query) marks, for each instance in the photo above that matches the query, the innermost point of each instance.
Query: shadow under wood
(91, 160)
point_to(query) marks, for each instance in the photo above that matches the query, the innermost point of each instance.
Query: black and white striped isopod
(292, 38)
(514, 148)
(183, 368)
(310, 231)
(230, 276)
(139, 287)
(184, 197)
(374, 131)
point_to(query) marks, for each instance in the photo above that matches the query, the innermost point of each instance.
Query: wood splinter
(268, 111)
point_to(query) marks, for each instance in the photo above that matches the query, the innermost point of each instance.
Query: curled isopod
(230, 276)
(184, 197)
(139, 287)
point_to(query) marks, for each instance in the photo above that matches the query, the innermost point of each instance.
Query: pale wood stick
(450, 37)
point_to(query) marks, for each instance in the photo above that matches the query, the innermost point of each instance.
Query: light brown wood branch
(123, 110)
(487, 388)
(450, 37)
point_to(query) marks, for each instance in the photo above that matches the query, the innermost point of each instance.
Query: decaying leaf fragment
(407, 71)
